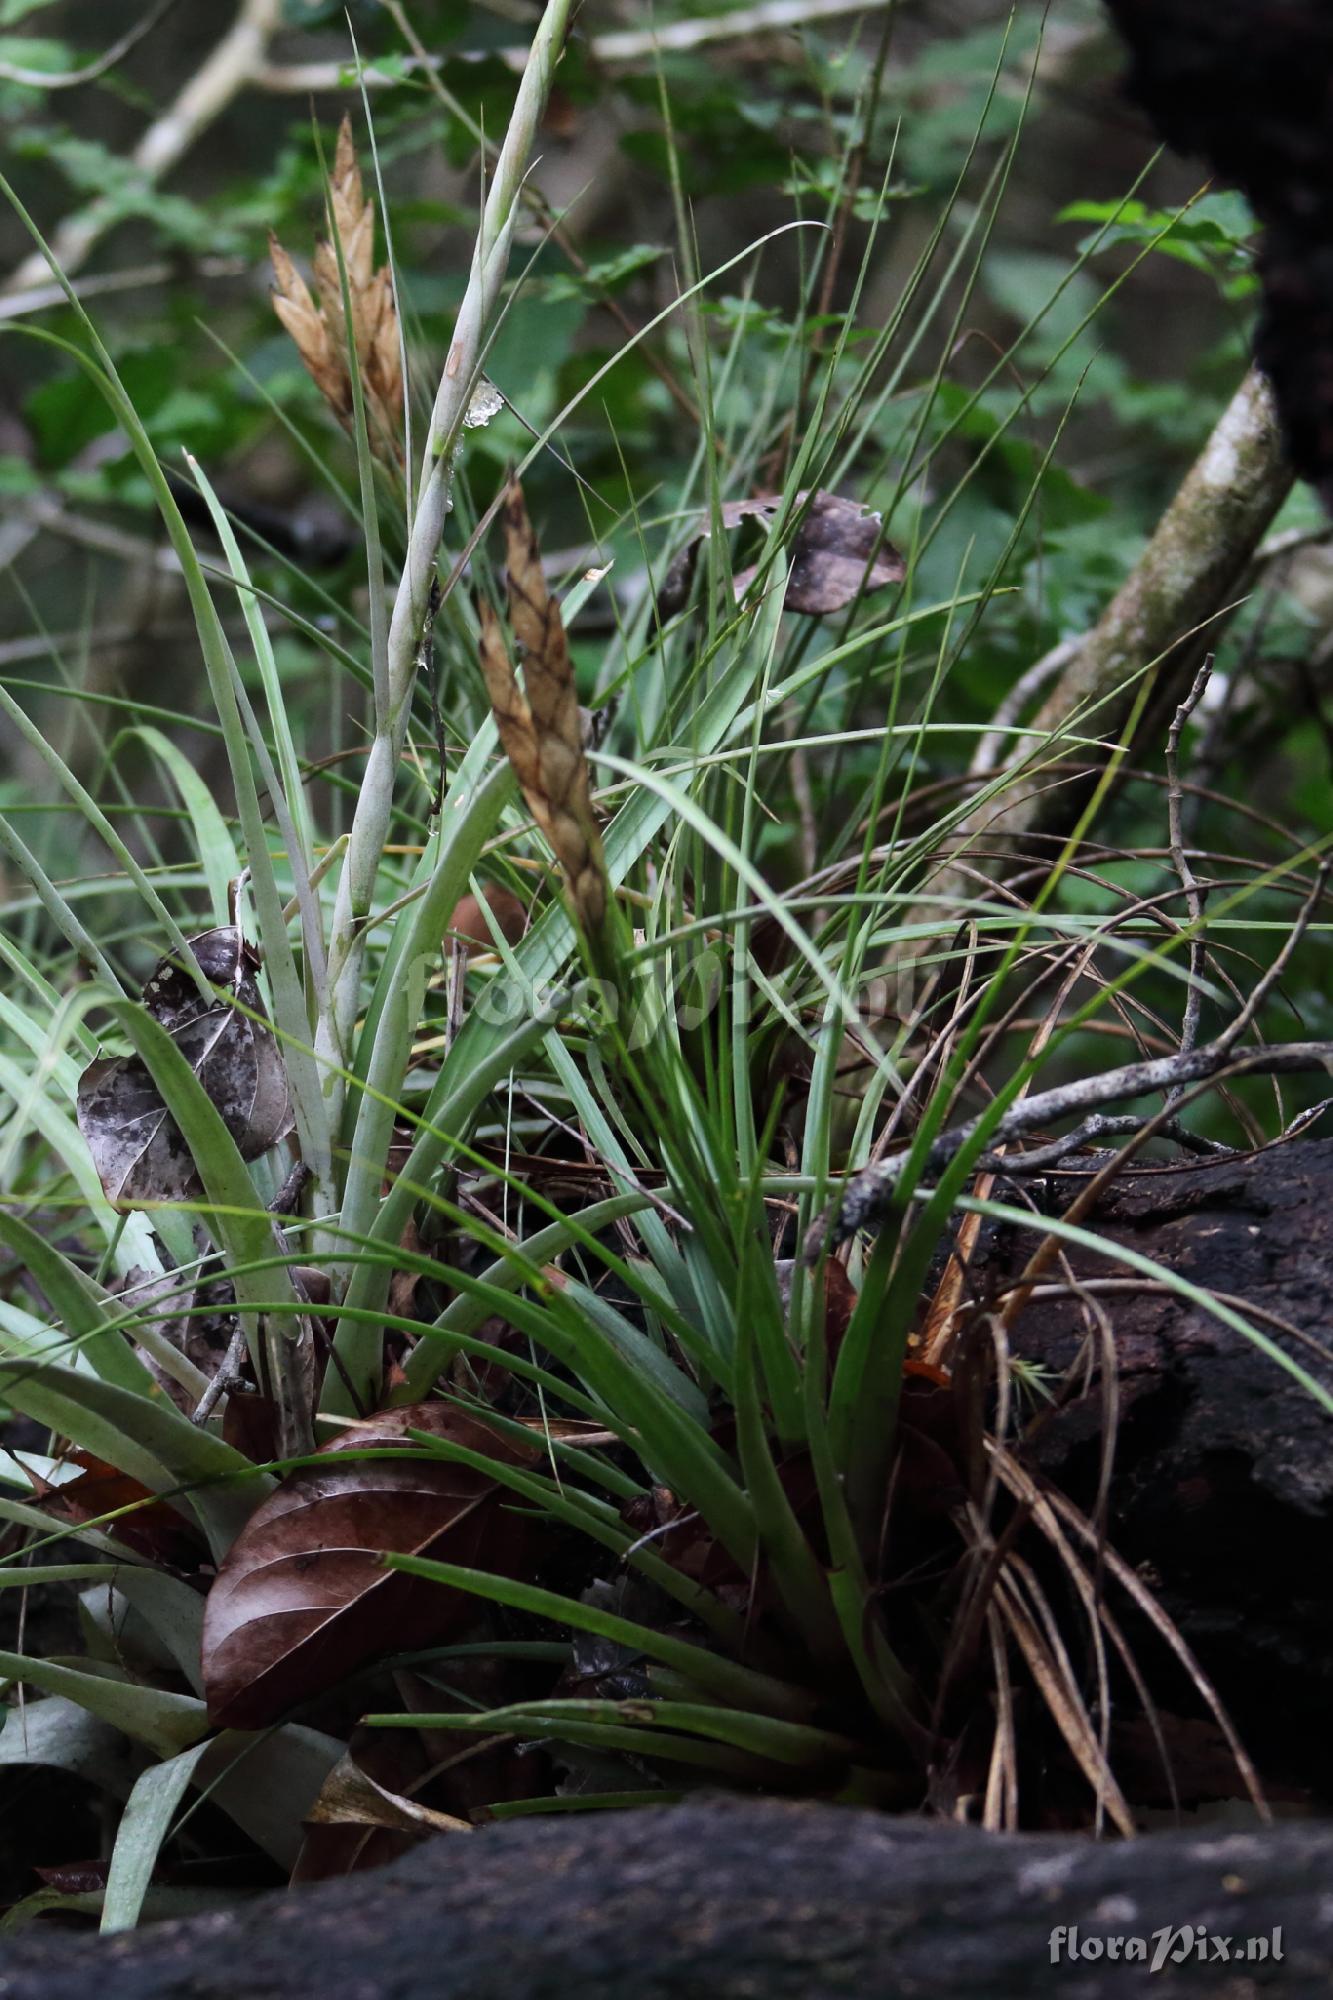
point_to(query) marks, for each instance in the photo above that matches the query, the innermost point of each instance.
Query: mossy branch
(1191, 571)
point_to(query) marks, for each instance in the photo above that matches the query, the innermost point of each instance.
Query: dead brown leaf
(152, 1528)
(839, 552)
(469, 924)
(303, 1598)
(137, 1147)
(350, 1796)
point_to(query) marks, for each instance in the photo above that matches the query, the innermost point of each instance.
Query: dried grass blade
(1062, 1698)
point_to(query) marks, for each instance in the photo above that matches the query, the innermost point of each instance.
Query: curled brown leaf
(838, 553)
(303, 1597)
(469, 920)
(136, 1145)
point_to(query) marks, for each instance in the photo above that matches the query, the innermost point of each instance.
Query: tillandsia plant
(506, 1302)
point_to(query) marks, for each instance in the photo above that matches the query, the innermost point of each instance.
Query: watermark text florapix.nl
(1171, 1945)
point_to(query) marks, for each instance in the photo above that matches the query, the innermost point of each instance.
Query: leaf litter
(137, 1148)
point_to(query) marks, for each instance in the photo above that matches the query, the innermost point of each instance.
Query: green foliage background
(762, 130)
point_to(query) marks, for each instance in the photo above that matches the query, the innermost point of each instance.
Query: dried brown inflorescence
(319, 324)
(540, 724)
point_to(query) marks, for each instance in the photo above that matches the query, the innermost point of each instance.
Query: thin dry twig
(1091, 1193)
(1189, 574)
(137, 278)
(1000, 1808)
(1189, 882)
(1029, 1500)
(614, 50)
(226, 1377)
(995, 745)
(1049, 1666)
(868, 1194)
(1276, 972)
(1048, 1503)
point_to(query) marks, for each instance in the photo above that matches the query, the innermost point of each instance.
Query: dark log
(1246, 86)
(739, 1901)
(1223, 1482)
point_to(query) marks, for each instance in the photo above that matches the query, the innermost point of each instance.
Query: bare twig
(1021, 1485)
(139, 277)
(868, 1194)
(1276, 972)
(1093, 1189)
(110, 638)
(227, 1378)
(1194, 898)
(1040, 1159)
(996, 743)
(615, 50)
(49, 515)
(1191, 569)
(1290, 541)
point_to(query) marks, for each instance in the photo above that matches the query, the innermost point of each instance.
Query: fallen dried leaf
(468, 921)
(839, 552)
(74, 1878)
(250, 1424)
(136, 1146)
(153, 1529)
(351, 1797)
(303, 1598)
(840, 1296)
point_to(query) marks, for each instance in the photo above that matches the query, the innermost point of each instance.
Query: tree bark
(729, 1900)
(1192, 569)
(1222, 1490)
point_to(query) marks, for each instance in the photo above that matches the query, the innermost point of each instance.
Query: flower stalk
(370, 823)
